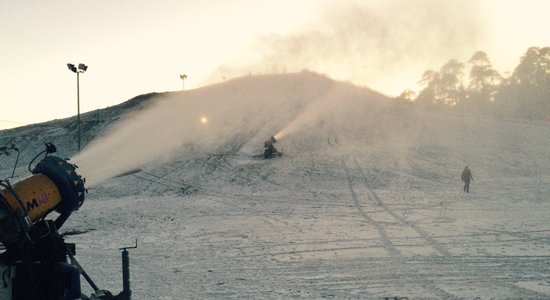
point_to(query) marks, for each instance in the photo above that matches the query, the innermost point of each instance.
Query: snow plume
(206, 118)
(170, 124)
(315, 111)
(136, 140)
(386, 45)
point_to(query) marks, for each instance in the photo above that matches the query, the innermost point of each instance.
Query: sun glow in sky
(139, 46)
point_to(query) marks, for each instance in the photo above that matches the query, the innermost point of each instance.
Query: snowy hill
(366, 202)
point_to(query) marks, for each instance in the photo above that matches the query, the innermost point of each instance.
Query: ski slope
(366, 202)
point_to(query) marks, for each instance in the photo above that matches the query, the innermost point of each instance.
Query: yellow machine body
(54, 185)
(39, 195)
(35, 257)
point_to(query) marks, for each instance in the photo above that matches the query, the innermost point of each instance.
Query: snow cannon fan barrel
(270, 141)
(54, 185)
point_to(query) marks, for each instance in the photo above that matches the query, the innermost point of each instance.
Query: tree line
(525, 93)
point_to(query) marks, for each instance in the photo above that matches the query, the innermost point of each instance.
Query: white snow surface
(365, 203)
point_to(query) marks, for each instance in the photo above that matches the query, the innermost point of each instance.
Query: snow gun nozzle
(269, 142)
(50, 148)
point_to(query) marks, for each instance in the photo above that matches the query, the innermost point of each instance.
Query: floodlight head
(183, 76)
(71, 67)
(82, 67)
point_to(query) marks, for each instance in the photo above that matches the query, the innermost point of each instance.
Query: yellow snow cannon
(54, 185)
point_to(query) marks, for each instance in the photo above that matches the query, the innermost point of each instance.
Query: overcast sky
(139, 46)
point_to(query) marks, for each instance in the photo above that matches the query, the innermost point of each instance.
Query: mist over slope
(311, 115)
(209, 118)
(306, 111)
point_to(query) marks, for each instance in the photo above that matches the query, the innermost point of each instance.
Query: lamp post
(80, 69)
(182, 77)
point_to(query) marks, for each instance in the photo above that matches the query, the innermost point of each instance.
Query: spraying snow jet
(319, 108)
(308, 116)
(152, 136)
(219, 119)
(156, 133)
(131, 144)
(207, 118)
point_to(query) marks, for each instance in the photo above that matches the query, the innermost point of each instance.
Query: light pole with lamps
(80, 69)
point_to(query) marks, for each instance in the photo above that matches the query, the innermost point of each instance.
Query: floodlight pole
(80, 69)
(78, 106)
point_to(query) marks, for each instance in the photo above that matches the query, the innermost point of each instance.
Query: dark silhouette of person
(466, 177)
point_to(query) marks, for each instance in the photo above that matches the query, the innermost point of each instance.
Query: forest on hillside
(525, 93)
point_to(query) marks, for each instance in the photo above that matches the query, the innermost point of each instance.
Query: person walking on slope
(466, 177)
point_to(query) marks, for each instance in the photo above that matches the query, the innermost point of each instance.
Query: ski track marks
(448, 269)
(397, 261)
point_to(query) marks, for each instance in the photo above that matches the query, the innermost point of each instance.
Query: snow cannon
(269, 150)
(37, 262)
(271, 141)
(54, 186)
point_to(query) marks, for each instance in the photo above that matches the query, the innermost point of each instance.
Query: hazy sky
(139, 46)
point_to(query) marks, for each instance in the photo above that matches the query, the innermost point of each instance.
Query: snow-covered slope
(366, 202)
